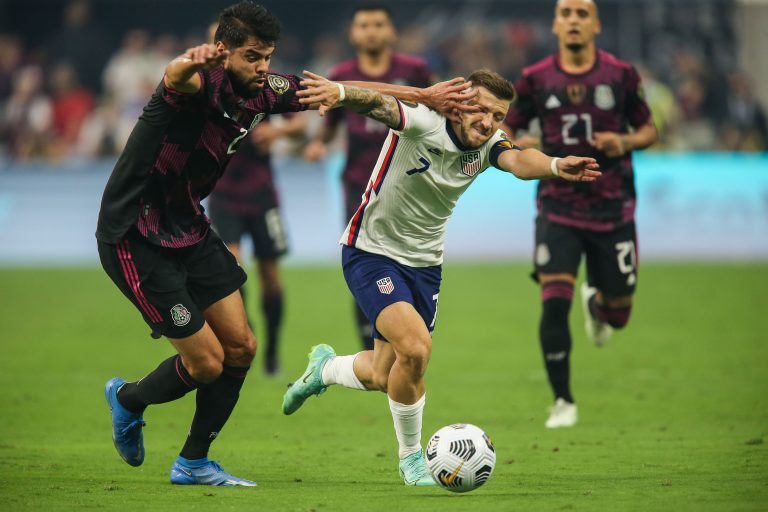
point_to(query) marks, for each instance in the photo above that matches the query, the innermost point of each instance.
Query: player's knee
(415, 357)
(615, 311)
(205, 370)
(242, 351)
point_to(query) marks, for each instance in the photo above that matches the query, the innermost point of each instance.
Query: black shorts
(611, 256)
(172, 287)
(265, 229)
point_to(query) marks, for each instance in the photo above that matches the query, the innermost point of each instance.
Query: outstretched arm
(181, 73)
(368, 102)
(531, 164)
(445, 97)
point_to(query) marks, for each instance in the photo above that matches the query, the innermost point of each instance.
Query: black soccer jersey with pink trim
(571, 108)
(177, 151)
(364, 135)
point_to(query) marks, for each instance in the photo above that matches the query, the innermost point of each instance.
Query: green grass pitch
(673, 413)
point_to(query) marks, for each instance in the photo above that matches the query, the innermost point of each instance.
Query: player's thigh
(154, 280)
(558, 250)
(612, 262)
(267, 231)
(404, 328)
(376, 282)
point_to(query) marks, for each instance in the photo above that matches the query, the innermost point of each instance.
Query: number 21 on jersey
(570, 121)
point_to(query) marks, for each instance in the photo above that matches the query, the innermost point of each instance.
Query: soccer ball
(460, 457)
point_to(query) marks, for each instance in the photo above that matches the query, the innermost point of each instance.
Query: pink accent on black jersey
(132, 278)
(373, 186)
(177, 151)
(366, 136)
(571, 107)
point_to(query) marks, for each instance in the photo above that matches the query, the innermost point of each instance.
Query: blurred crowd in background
(74, 80)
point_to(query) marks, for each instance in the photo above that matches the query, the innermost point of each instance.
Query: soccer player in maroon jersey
(589, 103)
(373, 34)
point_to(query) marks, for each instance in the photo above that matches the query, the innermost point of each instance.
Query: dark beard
(575, 47)
(240, 89)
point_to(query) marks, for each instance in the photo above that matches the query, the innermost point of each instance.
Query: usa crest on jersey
(386, 286)
(470, 163)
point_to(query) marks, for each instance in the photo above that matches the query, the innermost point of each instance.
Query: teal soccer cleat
(414, 471)
(204, 472)
(126, 426)
(311, 381)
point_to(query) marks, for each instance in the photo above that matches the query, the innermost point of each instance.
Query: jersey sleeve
(185, 101)
(280, 94)
(499, 144)
(416, 119)
(638, 112)
(524, 109)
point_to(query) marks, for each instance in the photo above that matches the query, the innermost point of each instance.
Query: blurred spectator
(71, 105)
(744, 127)
(82, 42)
(10, 61)
(99, 134)
(663, 104)
(695, 131)
(131, 77)
(25, 118)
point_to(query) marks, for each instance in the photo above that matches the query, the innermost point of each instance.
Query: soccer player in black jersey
(156, 244)
(589, 103)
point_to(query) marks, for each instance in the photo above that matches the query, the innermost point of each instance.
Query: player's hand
(318, 90)
(578, 168)
(610, 143)
(206, 55)
(315, 151)
(450, 97)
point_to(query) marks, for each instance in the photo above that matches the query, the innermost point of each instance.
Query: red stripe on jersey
(358, 216)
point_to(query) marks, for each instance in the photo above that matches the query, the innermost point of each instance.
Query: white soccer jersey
(421, 172)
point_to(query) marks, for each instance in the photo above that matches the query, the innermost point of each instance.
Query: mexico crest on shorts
(180, 315)
(386, 286)
(604, 97)
(278, 83)
(470, 163)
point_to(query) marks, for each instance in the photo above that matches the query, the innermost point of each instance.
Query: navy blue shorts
(377, 281)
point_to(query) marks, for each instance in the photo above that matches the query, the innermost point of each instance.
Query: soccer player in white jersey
(393, 246)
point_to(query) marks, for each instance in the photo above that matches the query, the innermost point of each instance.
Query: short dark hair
(495, 83)
(247, 19)
(372, 7)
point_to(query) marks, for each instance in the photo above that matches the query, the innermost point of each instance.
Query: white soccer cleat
(562, 414)
(599, 332)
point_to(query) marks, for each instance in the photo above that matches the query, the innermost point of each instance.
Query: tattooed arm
(372, 104)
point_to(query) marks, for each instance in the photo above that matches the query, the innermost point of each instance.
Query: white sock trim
(340, 370)
(407, 420)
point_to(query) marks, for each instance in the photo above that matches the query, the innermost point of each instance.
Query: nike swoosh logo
(188, 473)
(307, 376)
(449, 480)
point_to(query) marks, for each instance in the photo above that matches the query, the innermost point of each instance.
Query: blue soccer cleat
(204, 472)
(126, 426)
(311, 381)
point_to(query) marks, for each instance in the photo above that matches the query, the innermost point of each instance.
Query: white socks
(340, 370)
(407, 419)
